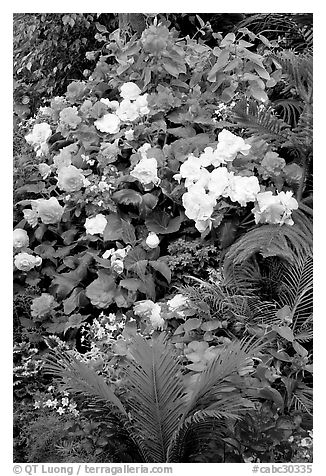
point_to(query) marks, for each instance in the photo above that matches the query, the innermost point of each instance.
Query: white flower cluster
(38, 138)
(275, 209)
(152, 310)
(133, 105)
(61, 405)
(205, 188)
(116, 258)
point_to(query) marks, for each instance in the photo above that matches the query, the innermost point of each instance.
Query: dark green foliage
(191, 257)
(158, 409)
(49, 53)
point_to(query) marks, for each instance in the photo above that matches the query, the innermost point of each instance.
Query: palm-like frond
(213, 390)
(286, 242)
(156, 395)
(297, 289)
(289, 109)
(299, 71)
(76, 377)
(260, 121)
(299, 395)
(190, 433)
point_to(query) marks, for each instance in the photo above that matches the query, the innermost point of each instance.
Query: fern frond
(260, 121)
(286, 242)
(77, 378)
(297, 289)
(289, 109)
(156, 396)
(299, 71)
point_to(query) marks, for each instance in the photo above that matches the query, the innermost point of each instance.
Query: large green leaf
(102, 291)
(113, 229)
(161, 222)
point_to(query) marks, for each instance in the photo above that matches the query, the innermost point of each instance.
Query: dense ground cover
(163, 245)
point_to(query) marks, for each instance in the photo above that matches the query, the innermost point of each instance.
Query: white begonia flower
(26, 262)
(43, 149)
(130, 91)
(142, 105)
(44, 170)
(152, 240)
(242, 189)
(157, 321)
(31, 216)
(95, 225)
(129, 134)
(143, 150)
(229, 145)
(108, 253)
(146, 171)
(208, 157)
(193, 172)
(198, 204)
(109, 123)
(150, 309)
(275, 209)
(127, 111)
(179, 300)
(110, 104)
(218, 182)
(39, 135)
(20, 238)
(287, 200)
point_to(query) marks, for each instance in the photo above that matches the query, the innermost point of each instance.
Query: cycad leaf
(287, 242)
(78, 378)
(156, 394)
(211, 390)
(297, 289)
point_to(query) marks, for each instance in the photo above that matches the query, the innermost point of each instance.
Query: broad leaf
(102, 291)
(127, 197)
(162, 268)
(161, 222)
(113, 229)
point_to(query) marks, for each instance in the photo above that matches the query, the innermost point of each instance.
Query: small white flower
(179, 300)
(20, 238)
(109, 123)
(44, 170)
(48, 403)
(146, 171)
(129, 134)
(61, 410)
(118, 266)
(108, 253)
(152, 240)
(37, 404)
(95, 225)
(130, 91)
(65, 401)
